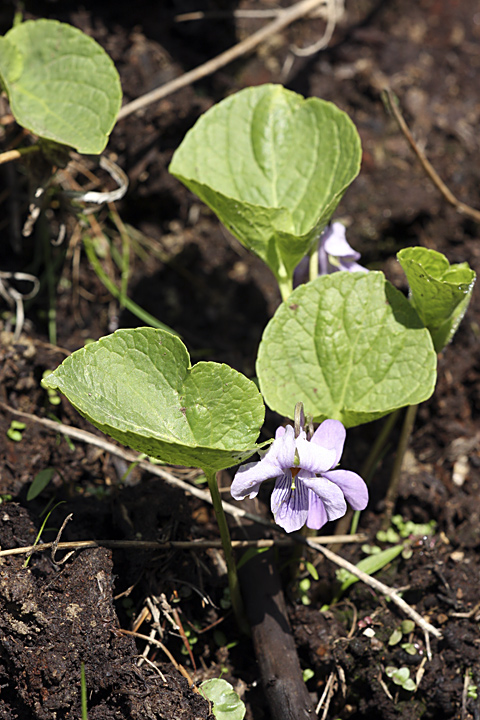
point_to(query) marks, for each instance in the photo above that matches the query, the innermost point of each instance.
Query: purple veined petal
(335, 243)
(352, 486)
(314, 457)
(249, 477)
(289, 507)
(317, 515)
(331, 435)
(280, 432)
(329, 493)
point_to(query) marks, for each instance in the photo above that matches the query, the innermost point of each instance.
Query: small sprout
(401, 676)
(14, 432)
(395, 637)
(389, 536)
(53, 396)
(304, 586)
(409, 648)
(308, 673)
(472, 692)
(371, 549)
(312, 570)
(407, 626)
(40, 482)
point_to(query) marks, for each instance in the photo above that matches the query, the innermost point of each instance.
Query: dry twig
(460, 207)
(300, 9)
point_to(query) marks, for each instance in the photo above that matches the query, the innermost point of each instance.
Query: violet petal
(330, 494)
(331, 435)
(352, 486)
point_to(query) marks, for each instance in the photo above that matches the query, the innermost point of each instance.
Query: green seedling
(406, 628)
(303, 588)
(401, 677)
(308, 674)
(40, 482)
(406, 529)
(226, 705)
(472, 692)
(15, 430)
(53, 396)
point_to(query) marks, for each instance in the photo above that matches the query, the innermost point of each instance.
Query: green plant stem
(125, 259)
(376, 453)
(391, 496)
(379, 446)
(83, 692)
(234, 585)
(130, 305)
(286, 287)
(51, 281)
(313, 264)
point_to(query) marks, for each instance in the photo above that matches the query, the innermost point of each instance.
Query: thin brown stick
(144, 545)
(460, 207)
(297, 11)
(380, 587)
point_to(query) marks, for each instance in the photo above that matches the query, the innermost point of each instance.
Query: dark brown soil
(189, 273)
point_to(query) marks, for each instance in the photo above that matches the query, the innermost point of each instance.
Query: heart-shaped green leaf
(273, 167)
(350, 347)
(61, 84)
(139, 387)
(440, 292)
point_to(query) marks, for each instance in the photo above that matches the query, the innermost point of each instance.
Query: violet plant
(347, 345)
(61, 85)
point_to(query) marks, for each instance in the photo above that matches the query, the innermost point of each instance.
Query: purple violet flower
(334, 253)
(307, 489)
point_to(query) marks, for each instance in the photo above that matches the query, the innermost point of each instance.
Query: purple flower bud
(334, 253)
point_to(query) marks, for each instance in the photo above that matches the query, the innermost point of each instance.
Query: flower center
(294, 471)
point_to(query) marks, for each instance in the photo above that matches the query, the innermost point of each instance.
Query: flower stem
(234, 585)
(391, 496)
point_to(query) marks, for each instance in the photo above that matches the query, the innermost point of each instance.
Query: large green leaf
(440, 292)
(273, 167)
(61, 84)
(139, 387)
(350, 347)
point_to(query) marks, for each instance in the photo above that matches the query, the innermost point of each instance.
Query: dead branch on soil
(384, 590)
(393, 107)
(300, 9)
(147, 545)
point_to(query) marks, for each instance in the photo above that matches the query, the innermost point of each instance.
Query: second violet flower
(307, 488)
